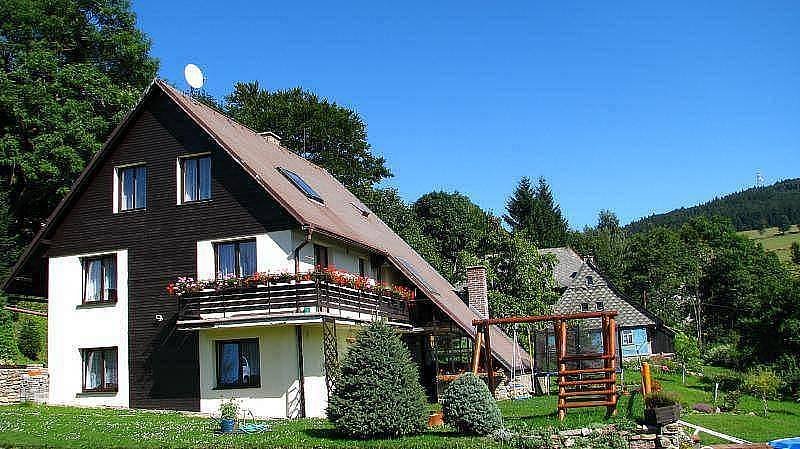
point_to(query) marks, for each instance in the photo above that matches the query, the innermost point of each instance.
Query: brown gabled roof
(340, 216)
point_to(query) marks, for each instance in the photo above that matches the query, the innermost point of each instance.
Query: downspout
(305, 242)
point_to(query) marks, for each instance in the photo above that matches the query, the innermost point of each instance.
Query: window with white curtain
(196, 179)
(132, 187)
(100, 371)
(236, 258)
(100, 279)
(238, 364)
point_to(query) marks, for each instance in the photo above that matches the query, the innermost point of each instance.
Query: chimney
(271, 137)
(476, 290)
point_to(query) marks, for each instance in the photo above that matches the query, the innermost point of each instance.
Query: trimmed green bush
(29, 338)
(378, 393)
(9, 353)
(468, 406)
(730, 401)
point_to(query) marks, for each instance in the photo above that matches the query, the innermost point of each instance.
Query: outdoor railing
(293, 298)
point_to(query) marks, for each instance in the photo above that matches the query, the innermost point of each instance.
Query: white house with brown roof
(195, 259)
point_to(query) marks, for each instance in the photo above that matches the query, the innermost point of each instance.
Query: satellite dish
(193, 75)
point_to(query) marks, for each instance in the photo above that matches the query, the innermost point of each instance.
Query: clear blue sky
(634, 106)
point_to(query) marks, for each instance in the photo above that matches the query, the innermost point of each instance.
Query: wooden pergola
(595, 387)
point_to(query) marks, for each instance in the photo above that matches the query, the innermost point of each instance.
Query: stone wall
(23, 384)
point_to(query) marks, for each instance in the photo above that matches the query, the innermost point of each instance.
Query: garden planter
(660, 416)
(435, 419)
(226, 425)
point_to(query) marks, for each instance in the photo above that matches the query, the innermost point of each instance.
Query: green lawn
(783, 420)
(773, 240)
(62, 427)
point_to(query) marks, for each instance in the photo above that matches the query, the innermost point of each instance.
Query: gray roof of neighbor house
(569, 262)
(340, 216)
(586, 285)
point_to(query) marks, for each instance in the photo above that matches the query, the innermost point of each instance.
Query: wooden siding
(161, 241)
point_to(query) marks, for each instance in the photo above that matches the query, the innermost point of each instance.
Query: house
(193, 260)
(585, 289)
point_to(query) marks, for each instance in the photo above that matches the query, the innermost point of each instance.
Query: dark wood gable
(161, 241)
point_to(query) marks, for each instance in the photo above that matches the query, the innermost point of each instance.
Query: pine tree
(534, 211)
(378, 393)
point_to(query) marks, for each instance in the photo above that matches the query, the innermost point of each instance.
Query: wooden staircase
(589, 387)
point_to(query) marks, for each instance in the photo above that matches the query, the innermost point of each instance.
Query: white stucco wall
(273, 253)
(278, 395)
(71, 327)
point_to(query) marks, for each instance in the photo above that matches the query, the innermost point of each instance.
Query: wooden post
(562, 367)
(487, 353)
(612, 363)
(476, 351)
(646, 382)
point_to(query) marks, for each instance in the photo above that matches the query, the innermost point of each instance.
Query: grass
(774, 240)
(67, 427)
(63, 427)
(783, 419)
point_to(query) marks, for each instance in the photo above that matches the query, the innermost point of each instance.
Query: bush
(687, 351)
(762, 382)
(378, 393)
(468, 406)
(229, 409)
(724, 355)
(661, 399)
(728, 380)
(29, 339)
(730, 401)
(9, 352)
(789, 367)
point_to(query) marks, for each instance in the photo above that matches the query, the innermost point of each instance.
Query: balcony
(301, 301)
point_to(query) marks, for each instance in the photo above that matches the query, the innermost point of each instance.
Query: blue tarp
(786, 443)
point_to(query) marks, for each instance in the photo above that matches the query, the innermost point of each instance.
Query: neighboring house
(585, 289)
(180, 190)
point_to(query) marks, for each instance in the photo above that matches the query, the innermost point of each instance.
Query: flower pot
(226, 425)
(435, 419)
(660, 416)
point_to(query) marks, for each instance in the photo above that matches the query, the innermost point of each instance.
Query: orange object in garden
(436, 419)
(647, 381)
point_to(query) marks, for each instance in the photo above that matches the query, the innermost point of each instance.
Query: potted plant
(661, 407)
(228, 411)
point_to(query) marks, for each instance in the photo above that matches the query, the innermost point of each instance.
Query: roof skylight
(301, 184)
(417, 275)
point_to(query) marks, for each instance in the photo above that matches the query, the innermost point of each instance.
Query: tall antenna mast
(759, 178)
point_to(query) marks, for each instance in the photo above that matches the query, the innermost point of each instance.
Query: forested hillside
(755, 208)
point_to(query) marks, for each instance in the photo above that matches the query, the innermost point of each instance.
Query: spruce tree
(377, 393)
(534, 211)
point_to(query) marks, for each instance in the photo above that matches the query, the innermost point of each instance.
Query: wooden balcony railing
(291, 299)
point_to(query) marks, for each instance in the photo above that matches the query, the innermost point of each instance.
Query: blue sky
(638, 107)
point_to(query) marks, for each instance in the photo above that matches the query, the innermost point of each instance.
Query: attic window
(301, 184)
(589, 280)
(585, 307)
(574, 273)
(599, 305)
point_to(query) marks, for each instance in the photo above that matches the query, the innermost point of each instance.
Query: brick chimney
(476, 290)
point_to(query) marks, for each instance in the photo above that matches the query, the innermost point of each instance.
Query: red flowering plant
(330, 275)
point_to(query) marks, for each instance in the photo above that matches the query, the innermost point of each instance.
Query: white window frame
(179, 177)
(117, 194)
(627, 337)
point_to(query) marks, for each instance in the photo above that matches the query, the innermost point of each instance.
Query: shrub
(468, 406)
(9, 352)
(686, 350)
(661, 399)
(724, 355)
(229, 409)
(29, 339)
(730, 401)
(378, 393)
(789, 367)
(728, 380)
(762, 382)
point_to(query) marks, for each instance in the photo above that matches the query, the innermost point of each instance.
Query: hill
(753, 208)
(774, 240)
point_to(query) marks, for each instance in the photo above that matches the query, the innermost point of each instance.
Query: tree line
(69, 75)
(777, 205)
